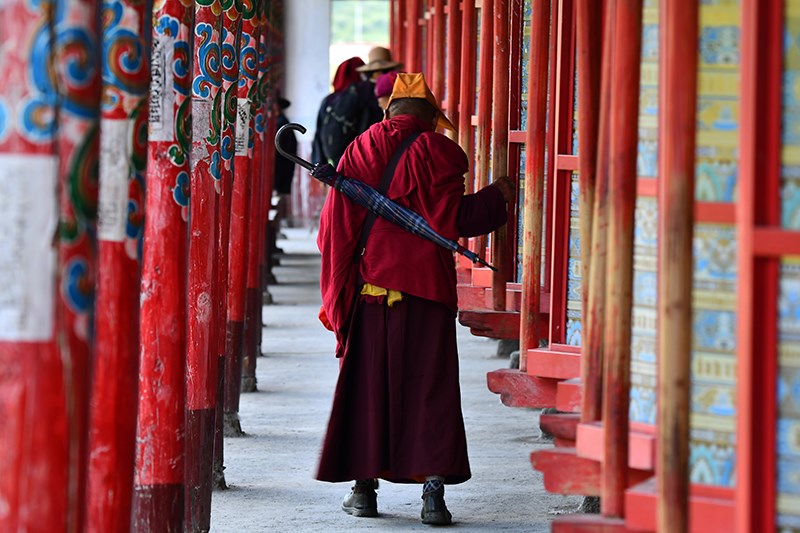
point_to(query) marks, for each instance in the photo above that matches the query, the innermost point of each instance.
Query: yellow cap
(412, 85)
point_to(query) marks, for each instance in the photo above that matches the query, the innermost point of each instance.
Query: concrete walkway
(271, 471)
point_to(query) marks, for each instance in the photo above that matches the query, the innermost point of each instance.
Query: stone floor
(271, 470)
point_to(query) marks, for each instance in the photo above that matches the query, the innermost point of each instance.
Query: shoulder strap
(383, 187)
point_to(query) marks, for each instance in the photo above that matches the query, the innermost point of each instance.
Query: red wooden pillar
(413, 45)
(399, 31)
(202, 357)
(393, 33)
(122, 160)
(676, 198)
(34, 449)
(240, 216)
(501, 251)
(439, 40)
(272, 49)
(77, 146)
(592, 352)
(483, 148)
(622, 196)
(253, 301)
(231, 35)
(762, 244)
(467, 81)
(536, 137)
(452, 85)
(268, 173)
(591, 55)
(159, 483)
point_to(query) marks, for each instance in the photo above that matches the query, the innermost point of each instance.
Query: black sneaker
(434, 510)
(362, 500)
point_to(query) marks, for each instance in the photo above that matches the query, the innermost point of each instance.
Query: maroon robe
(397, 407)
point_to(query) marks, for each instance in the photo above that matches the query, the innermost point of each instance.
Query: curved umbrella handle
(291, 126)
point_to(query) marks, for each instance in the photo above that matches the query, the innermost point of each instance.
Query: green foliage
(359, 21)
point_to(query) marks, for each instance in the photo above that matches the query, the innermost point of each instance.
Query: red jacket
(429, 179)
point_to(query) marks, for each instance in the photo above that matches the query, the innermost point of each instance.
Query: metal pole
(676, 195)
(622, 198)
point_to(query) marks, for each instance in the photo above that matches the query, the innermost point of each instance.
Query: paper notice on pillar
(115, 160)
(201, 128)
(28, 220)
(161, 118)
(242, 126)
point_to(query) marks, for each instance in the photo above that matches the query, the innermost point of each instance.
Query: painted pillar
(252, 326)
(240, 214)
(622, 198)
(123, 153)
(159, 481)
(202, 357)
(231, 34)
(535, 142)
(676, 198)
(77, 69)
(34, 454)
(273, 39)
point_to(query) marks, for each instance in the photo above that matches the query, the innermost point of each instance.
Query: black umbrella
(371, 199)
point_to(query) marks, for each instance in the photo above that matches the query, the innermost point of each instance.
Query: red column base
(252, 328)
(158, 508)
(199, 467)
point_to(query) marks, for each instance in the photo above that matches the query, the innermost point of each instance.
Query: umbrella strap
(383, 187)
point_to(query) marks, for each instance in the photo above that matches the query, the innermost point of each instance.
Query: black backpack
(340, 123)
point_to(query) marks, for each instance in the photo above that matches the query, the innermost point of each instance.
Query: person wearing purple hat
(383, 88)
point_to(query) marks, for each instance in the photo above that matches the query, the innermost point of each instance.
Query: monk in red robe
(396, 411)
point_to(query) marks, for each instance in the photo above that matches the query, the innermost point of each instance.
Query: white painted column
(307, 31)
